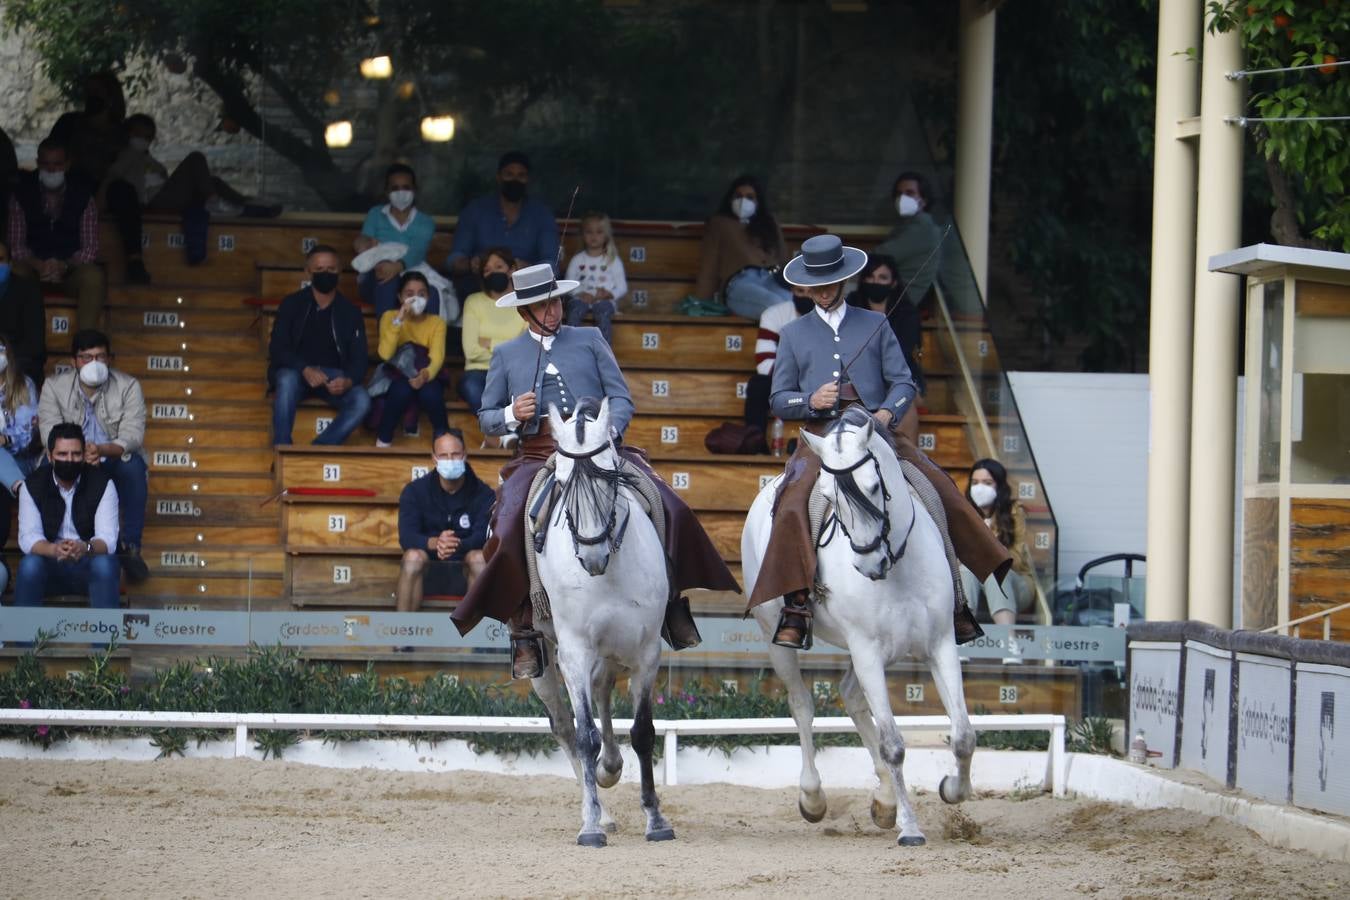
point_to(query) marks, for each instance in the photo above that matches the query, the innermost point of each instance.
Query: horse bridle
(854, 496)
(586, 471)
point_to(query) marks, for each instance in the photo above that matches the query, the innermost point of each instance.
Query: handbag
(736, 438)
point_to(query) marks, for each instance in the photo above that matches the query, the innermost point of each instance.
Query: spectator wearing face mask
(486, 326)
(507, 218)
(318, 349)
(771, 324)
(397, 222)
(109, 407)
(23, 319)
(68, 526)
(442, 525)
(412, 345)
(989, 493)
(742, 249)
(878, 289)
(53, 231)
(911, 243)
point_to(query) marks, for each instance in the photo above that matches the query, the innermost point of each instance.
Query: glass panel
(1272, 353)
(1320, 450)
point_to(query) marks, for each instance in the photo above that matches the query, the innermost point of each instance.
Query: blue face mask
(450, 469)
(4, 273)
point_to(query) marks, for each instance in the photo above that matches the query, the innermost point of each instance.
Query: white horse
(888, 597)
(603, 567)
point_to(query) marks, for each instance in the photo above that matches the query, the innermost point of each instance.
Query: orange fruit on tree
(1328, 66)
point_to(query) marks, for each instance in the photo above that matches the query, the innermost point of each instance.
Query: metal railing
(669, 729)
(1325, 615)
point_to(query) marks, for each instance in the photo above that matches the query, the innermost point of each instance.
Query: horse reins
(854, 497)
(581, 492)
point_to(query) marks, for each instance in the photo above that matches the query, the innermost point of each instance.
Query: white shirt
(30, 519)
(388, 210)
(596, 272)
(547, 340)
(835, 317)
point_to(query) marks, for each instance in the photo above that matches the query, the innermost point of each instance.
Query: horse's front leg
(643, 736)
(869, 668)
(945, 664)
(810, 796)
(855, 703)
(578, 669)
(611, 760)
(549, 688)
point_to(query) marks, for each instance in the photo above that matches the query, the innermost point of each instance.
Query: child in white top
(600, 272)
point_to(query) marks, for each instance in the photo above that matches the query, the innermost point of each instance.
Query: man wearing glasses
(110, 407)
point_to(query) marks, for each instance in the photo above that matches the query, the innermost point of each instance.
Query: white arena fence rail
(669, 729)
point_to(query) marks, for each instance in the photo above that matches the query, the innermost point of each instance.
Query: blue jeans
(131, 478)
(12, 468)
(603, 310)
(384, 295)
(430, 396)
(471, 385)
(291, 388)
(751, 291)
(97, 576)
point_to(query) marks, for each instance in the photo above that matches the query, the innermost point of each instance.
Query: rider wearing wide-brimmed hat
(551, 364)
(836, 357)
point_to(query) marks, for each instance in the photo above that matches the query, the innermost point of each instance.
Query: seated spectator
(442, 526)
(23, 318)
(507, 218)
(742, 249)
(109, 406)
(913, 240)
(771, 324)
(19, 446)
(9, 171)
(95, 136)
(67, 527)
(599, 271)
(412, 345)
(318, 349)
(53, 231)
(396, 222)
(486, 326)
(989, 492)
(879, 290)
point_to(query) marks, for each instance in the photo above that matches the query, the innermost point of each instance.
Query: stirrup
(802, 611)
(529, 656)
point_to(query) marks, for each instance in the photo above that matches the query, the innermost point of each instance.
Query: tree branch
(1284, 226)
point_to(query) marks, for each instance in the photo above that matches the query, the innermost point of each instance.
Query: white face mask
(4, 362)
(401, 200)
(906, 206)
(744, 208)
(139, 144)
(52, 181)
(417, 305)
(984, 495)
(94, 373)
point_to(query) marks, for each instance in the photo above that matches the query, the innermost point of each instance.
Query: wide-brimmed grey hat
(824, 260)
(534, 284)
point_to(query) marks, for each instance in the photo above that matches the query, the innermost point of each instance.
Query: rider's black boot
(794, 623)
(680, 630)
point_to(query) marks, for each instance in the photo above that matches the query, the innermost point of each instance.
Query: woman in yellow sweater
(412, 345)
(486, 326)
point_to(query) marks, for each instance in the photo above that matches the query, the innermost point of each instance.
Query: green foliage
(1092, 735)
(1314, 156)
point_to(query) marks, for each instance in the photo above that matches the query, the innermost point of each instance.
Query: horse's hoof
(883, 816)
(916, 840)
(592, 839)
(812, 817)
(661, 834)
(949, 789)
(606, 778)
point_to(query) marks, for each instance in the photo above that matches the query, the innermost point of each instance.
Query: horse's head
(586, 466)
(854, 464)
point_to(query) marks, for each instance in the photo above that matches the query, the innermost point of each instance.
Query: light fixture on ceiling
(438, 129)
(338, 134)
(377, 67)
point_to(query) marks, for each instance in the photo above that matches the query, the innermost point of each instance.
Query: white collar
(546, 340)
(401, 226)
(835, 317)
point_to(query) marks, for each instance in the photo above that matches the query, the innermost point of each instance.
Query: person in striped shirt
(771, 322)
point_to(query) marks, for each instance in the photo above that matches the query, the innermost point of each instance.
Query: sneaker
(132, 563)
(382, 444)
(218, 206)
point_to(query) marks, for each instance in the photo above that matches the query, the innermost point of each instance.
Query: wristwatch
(89, 547)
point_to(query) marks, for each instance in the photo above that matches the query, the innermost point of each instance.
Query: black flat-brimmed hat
(534, 284)
(824, 260)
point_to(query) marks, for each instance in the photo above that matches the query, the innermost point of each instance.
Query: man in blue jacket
(442, 525)
(318, 349)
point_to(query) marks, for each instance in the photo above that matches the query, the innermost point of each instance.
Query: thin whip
(557, 267)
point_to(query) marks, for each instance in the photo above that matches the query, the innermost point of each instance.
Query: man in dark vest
(67, 527)
(53, 231)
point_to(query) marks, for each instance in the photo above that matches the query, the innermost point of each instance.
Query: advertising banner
(1321, 742)
(1263, 726)
(1155, 693)
(1207, 710)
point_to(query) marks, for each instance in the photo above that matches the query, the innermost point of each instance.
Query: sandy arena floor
(210, 828)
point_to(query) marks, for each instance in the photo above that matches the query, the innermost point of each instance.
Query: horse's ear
(863, 435)
(811, 440)
(603, 415)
